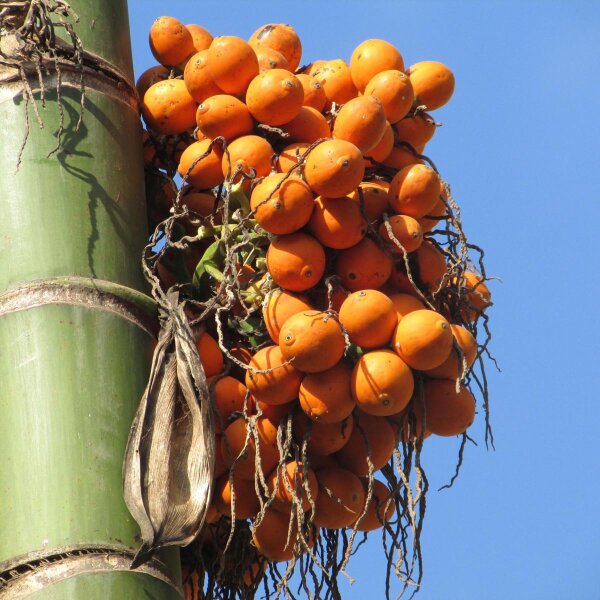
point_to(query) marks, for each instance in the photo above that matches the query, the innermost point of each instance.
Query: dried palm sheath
(169, 461)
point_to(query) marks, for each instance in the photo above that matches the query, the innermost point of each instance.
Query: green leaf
(213, 271)
(237, 198)
(209, 256)
(205, 231)
(245, 326)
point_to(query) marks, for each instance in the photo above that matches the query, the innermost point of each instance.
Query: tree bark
(76, 328)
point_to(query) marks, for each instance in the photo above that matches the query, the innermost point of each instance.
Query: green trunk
(71, 374)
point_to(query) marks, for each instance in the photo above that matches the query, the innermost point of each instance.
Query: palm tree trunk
(75, 326)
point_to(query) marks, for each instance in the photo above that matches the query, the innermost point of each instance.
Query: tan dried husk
(169, 462)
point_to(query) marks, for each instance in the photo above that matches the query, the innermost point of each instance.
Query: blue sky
(516, 145)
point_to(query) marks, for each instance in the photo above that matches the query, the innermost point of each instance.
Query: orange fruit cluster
(352, 323)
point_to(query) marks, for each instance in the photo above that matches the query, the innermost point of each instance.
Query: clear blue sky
(516, 146)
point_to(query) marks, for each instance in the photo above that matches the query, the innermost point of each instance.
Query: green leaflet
(212, 270)
(212, 258)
